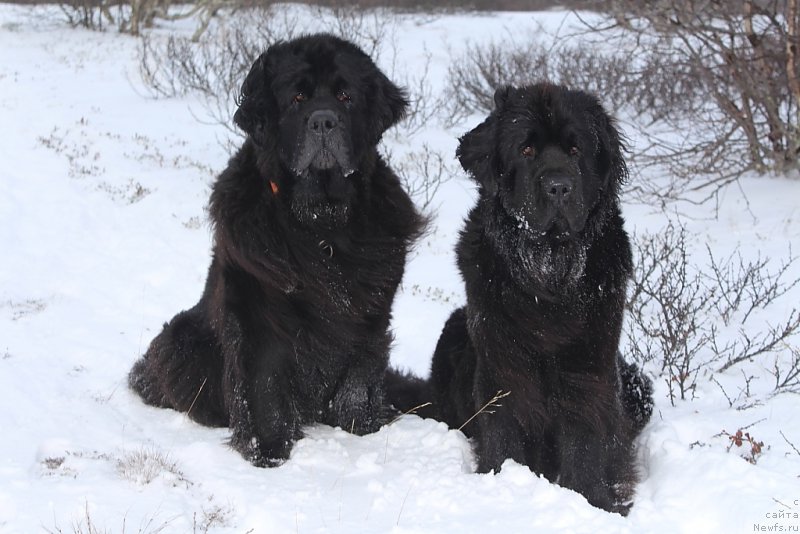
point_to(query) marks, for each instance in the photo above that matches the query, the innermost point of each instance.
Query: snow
(102, 223)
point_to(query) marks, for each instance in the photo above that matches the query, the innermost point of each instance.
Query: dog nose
(322, 122)
(558, 189)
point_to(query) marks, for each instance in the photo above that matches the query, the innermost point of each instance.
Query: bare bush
(86, 524)
(741, 57)
(134, 16)
(725, 76)
(424, 104)
(462, 5)
(146, 464)
(215, 66)
(787, 372)
(646, 87)
(691, 319)
(665, 309)
(422, 172)
(474, 76)
(211, 518)
(91, 14)
(649, 90)
(745, 287)
(369, 28)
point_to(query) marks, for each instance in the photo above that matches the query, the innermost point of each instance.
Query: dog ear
(610, 148)
(477, 149)
(501, 96)
(391, 103)
(255, 99)
(477, 153)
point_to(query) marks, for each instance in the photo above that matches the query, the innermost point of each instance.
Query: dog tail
(637, 393)
(408, 393)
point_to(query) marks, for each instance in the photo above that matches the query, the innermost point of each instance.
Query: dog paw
(262, 453)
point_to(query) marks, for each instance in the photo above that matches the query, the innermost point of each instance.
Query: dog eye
(343, 97)
(299, 97)
(528, 151)
(574, 151)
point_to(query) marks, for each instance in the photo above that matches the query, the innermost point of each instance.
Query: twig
(497, 396)
(403, 504)
(196, 396)
(730, 402)
(789, 442)
(341, 498)
(393, 421)
(782, 504)
(754, 423)
(409, 412)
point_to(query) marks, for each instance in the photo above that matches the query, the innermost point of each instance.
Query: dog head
(321, 105)
(550, 157)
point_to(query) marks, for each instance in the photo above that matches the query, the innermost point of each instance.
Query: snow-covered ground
(104, 237)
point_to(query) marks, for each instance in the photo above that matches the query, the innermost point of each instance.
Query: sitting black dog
(546, 262)
(311, 232)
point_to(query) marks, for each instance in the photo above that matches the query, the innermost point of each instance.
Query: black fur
(546, 261)
(311, 232)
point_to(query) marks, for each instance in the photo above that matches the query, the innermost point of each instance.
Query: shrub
(687, 319)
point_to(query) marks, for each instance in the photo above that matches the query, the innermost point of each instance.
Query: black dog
(546, 261)
(311, 232)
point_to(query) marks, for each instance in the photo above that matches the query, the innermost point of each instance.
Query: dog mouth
(324, 146)
(323, 157)
(329, 158)
(562, 228)
(557, 226)
(550, 256)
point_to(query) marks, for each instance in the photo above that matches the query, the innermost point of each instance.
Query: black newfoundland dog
(311, 232)
(546, 261)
